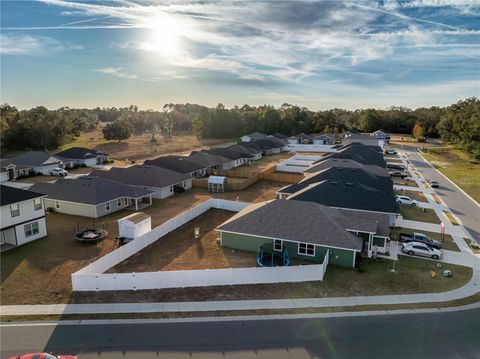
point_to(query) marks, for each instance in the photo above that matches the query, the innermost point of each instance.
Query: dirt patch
(180, 250)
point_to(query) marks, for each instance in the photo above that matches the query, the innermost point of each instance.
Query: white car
(390, 152)
(406, 200)
(421, 249)
(58, 172)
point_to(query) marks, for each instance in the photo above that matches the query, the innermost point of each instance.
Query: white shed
(217, 183)
(134, 225)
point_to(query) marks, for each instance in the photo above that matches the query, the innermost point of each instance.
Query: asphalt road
(433, 335)
(461, 205)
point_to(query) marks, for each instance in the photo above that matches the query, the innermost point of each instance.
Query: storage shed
(134, 225)
(217, 183)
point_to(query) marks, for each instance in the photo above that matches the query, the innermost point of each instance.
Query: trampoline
(267, 257)
(90, 235)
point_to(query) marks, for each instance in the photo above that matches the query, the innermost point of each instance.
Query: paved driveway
(462, 206)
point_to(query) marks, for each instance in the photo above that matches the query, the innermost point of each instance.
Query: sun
(164, 37)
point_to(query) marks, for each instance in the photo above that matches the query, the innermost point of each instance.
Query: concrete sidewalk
(471, 288)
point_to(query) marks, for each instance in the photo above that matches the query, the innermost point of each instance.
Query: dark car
(398, 174)
(434, 184)
(420, 238)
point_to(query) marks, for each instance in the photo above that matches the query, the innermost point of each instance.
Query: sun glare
(164, 37)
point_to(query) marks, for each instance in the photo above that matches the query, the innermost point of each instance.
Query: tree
(419, 132)
(118, 130)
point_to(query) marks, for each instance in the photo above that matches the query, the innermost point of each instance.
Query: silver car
(421, 249)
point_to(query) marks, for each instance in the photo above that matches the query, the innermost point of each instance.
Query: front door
(11, 174)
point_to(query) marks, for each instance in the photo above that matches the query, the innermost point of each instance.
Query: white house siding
(27, 212)
(73, 208)
(3, 177)
(90, 162)
(245, 139)
(20, 231)
(45, 169)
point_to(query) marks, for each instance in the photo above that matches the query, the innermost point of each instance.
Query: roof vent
(349, 183)
(333, 182)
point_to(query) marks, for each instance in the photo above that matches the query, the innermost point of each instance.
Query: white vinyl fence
(92, 277)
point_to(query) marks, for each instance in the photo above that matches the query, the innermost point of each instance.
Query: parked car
(420, 238)
(421, 249)
(398, 174)
(390, 152)
(42, 356)
(434, 184)
(406, 200)
(396, 167)
(58, 172)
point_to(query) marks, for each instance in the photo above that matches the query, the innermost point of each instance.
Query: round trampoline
(267, 257)
(90, 235)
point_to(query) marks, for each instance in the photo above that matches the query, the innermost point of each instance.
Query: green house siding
(379, 241)
(338, 257)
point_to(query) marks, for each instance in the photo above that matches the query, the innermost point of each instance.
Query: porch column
(151, 201)
(136, 204)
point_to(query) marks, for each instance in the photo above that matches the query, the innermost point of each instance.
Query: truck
(419, 237)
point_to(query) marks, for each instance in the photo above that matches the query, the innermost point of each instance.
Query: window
(119, 202)
(14, 210)
(31, 229)
(37, 203)
(306, 249)
(125, 201)
(277, 245)
(171, 188)
(57, 204)
(107, 206)
(184, 184)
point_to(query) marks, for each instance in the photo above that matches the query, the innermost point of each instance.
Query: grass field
(416, 214)
(447, 244)
(458, 166)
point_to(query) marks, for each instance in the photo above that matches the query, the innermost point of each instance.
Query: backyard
(419, 214)
(458, 166)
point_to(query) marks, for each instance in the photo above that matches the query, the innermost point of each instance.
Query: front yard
(419, 214)
(404, 182)
(418, 196)
(448, 244)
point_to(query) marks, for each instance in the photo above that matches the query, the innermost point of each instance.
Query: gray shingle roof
(30, 158)
(9, 195)
(347, 163)
(148, 176)
(368, 155)
(349, 196)
(181, 164)
(78, 153)
(88, 190)
(299, 222)
(257, 136)
(208, 159)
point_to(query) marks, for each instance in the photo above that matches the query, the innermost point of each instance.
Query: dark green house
(306, 230)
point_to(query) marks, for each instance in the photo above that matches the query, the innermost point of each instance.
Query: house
(212, 161)
(217, 184)
(307, 231)
(325, 139)
(363, 139)
(268, 146)
(92, 196)
(134, 225)
(161, 181)
(302, 138)
(364, 154)
(347, 134)
(352, 196)
(253, 136)
(280, 136)
(180, 164)
(23, 216)
(80, 156)
(382, 135)
(30, 162)
(250, 153)
(238, 156)
(341, 175)
(346, 163)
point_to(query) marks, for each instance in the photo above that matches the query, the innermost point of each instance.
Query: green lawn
(458, 166)
(448, 244)
(419, 196)
(416, 214)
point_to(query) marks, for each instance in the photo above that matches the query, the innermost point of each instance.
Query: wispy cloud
(117, 72)
(31, 45)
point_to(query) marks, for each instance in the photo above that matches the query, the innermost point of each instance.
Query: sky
(318, 54)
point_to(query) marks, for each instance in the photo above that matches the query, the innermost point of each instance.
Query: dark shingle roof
(299, 222)
(30, 158)
(9, 195)
(228, 152)
(266, 144)
(148, 176)
(78, 153)
(280, 136)
(245, 150)
(349, 196)
(344, 175)
(347, 163)
(364, 154)
(208, 159)
(88, 190)
(257, 136)
(181, 164)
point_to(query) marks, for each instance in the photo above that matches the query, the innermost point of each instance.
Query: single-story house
(347, 134)
(30, 162)
(364, 154)
(161, 181)
(77, 156)
(250, 153)
(304, 139)
(306, 231)
(325, 139)
(180, 164)
(23, 216)
(253, 136)
(363, 139)
(280, 136)
(92, 196)
(268, 146)
(238, 157)
(350, 195)
(381, 134)
(212, 161)
(346, 163)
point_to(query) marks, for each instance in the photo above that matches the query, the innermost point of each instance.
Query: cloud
(117, 72)
(32, 45)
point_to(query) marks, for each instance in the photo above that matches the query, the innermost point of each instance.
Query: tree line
(48, 129)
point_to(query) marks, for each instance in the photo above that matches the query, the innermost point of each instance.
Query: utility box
(134, 225)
